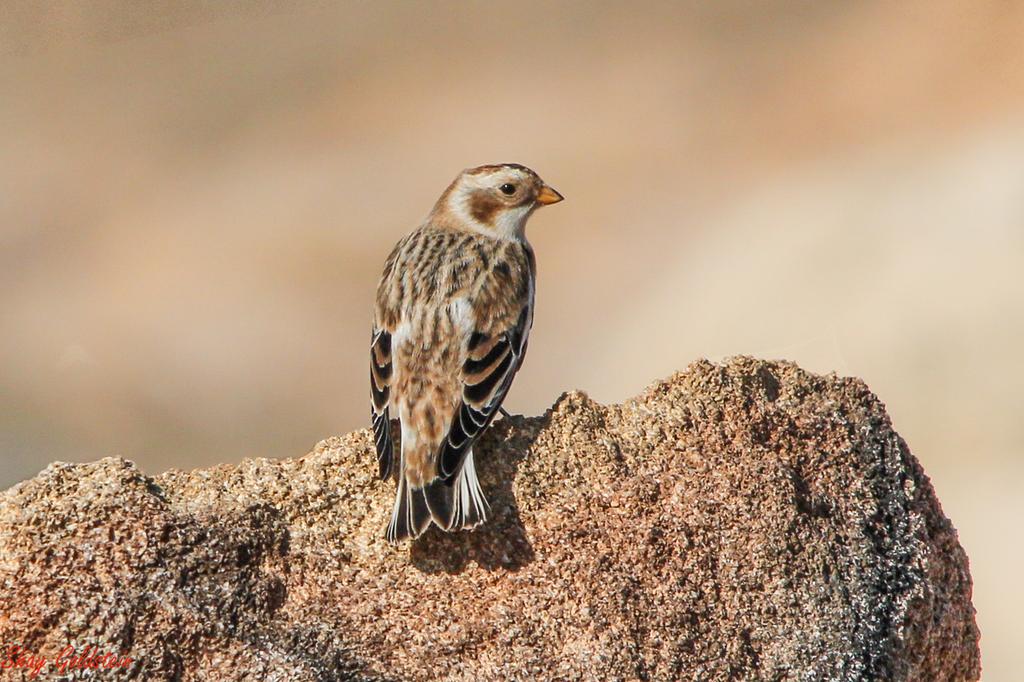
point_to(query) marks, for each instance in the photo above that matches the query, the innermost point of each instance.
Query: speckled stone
(744, 520)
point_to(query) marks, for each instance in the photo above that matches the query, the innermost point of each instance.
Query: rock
(746, 520)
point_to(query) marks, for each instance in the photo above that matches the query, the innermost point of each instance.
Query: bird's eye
(508, 188)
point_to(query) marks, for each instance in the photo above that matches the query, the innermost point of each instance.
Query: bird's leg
(504, 413)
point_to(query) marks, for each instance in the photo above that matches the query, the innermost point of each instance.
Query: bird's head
(496, 200)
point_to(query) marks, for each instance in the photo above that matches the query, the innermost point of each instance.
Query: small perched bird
(454, 310)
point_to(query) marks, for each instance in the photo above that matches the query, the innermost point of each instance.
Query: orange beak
(548, 195)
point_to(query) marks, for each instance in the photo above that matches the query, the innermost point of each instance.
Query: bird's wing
(492, 360)
(380, 389)
(386, 316)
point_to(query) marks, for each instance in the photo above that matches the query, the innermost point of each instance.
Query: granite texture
(738, 521)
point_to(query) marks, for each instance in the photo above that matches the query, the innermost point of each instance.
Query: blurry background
(196, 199)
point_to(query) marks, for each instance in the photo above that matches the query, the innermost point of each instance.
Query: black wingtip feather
(399, 528)
(384, 444)
(384, 463)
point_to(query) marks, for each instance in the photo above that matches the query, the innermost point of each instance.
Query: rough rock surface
(746, 520)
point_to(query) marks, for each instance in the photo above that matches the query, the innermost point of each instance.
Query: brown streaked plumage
(453, 313)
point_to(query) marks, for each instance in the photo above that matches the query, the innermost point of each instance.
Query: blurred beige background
(196, 199)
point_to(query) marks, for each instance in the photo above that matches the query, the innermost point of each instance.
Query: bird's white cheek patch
(460, 207)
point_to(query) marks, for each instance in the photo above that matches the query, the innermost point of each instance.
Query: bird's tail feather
(460, 504)
(410, 515)
(440, 501)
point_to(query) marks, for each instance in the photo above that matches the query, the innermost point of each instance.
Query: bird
(452, 317)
